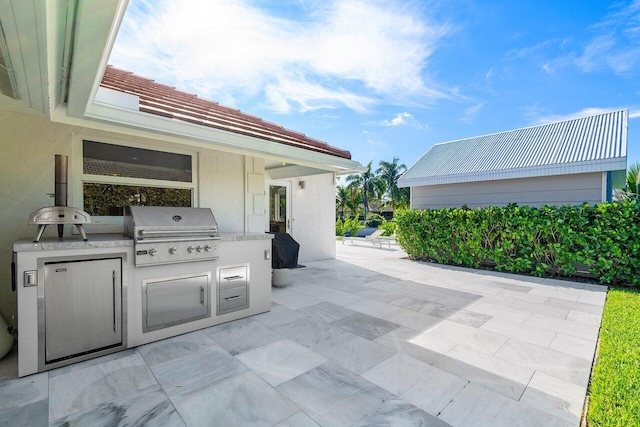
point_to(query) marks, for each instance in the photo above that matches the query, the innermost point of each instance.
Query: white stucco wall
(28, 145)
(313, 213)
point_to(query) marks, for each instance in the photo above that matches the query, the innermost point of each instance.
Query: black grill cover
(284, 251)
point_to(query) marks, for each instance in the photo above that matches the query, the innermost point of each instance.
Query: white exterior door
(279, 206)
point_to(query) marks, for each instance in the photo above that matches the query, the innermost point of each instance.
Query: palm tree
(342, 199)
(390, 172)
(354, 200)
(632, 186)
(632, 178)
(372, 186)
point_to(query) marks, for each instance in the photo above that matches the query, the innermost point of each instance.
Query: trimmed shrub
(520, 239)
(348, 226)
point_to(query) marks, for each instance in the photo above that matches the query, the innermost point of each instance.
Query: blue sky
(391, 78)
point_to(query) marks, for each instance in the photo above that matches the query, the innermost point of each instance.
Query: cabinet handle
(202, 295)
(232, 298)
(233, 277)
(114, 301)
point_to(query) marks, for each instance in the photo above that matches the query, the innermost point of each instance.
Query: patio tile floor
(367, 339)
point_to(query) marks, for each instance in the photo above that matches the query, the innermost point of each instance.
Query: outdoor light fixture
(302, 184)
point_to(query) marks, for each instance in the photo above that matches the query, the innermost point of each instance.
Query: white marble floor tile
(423, 385)
(479, 406)
(295, 300)
(326, 311)
(472, 338)
(576, 329)
(366, 326)
(323, 387)
(353, 352)
(149, 406)
(299, 419)
(173, 348)
(197, 370)
(280, 315)
(578, 347)
(32, 414)
(242, 335)
(243, 400)
(539, 336)
(281, 361)
(310, 331)
(93, 385)
(573, 394)
(397, 412)
(495, 310)
(575, 305)
(552, 362)
(23, 391)
(470, 318)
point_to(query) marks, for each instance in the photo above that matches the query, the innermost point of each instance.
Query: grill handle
(192, 231)
(175, 239)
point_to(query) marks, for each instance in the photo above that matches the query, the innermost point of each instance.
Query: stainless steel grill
(165, 235)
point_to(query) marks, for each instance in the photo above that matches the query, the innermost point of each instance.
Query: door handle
(288, 224)
(113, 276)
(202, 295)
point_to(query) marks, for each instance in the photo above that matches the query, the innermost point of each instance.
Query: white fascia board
(123, 121)
(97, 24)
(618, 163)
(24, 27)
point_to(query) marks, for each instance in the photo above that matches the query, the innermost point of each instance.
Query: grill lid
(141, 222)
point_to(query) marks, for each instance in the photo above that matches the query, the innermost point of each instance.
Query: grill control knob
(199, 248)
(207, 248)
(173, 250)
(190, 249)
(153, 251)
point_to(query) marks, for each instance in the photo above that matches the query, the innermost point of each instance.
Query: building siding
(554, 190)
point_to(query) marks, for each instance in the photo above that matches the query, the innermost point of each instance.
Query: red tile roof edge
(166, 101)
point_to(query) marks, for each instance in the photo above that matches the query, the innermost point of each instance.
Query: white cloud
(616, 43)
(352, 53)
(401, 119)
(634, 113)
(471, 113)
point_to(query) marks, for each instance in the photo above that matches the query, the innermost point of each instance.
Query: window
(114, 176)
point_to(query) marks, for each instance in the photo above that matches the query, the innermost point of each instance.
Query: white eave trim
(125, 121)
(618, 163)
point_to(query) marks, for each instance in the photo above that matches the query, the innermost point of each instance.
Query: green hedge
(521, 239)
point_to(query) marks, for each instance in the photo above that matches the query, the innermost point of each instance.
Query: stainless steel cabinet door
(168, 302)
(83, 306)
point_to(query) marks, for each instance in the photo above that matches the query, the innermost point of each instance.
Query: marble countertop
(74, 242)
(230, 236)
(111, 241)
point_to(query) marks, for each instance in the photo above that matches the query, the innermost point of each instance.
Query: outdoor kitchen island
(107, 303)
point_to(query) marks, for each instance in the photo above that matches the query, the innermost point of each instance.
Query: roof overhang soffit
(96, 29)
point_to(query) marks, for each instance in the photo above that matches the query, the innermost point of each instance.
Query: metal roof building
(511, 161)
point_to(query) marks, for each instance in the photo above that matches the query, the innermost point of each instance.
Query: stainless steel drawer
(175, 300)
(232, 277)
(233, 288)
(232, 299)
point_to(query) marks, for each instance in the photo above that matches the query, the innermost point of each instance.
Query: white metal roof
(589, 144)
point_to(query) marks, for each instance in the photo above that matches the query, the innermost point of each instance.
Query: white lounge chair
(373, 238)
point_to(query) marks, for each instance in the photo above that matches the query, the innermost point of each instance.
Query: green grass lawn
(615, 385)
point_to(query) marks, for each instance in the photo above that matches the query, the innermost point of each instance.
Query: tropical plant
(389, 173)
(342, 200)
(372, 186)
(632, 179)
(354, 203)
